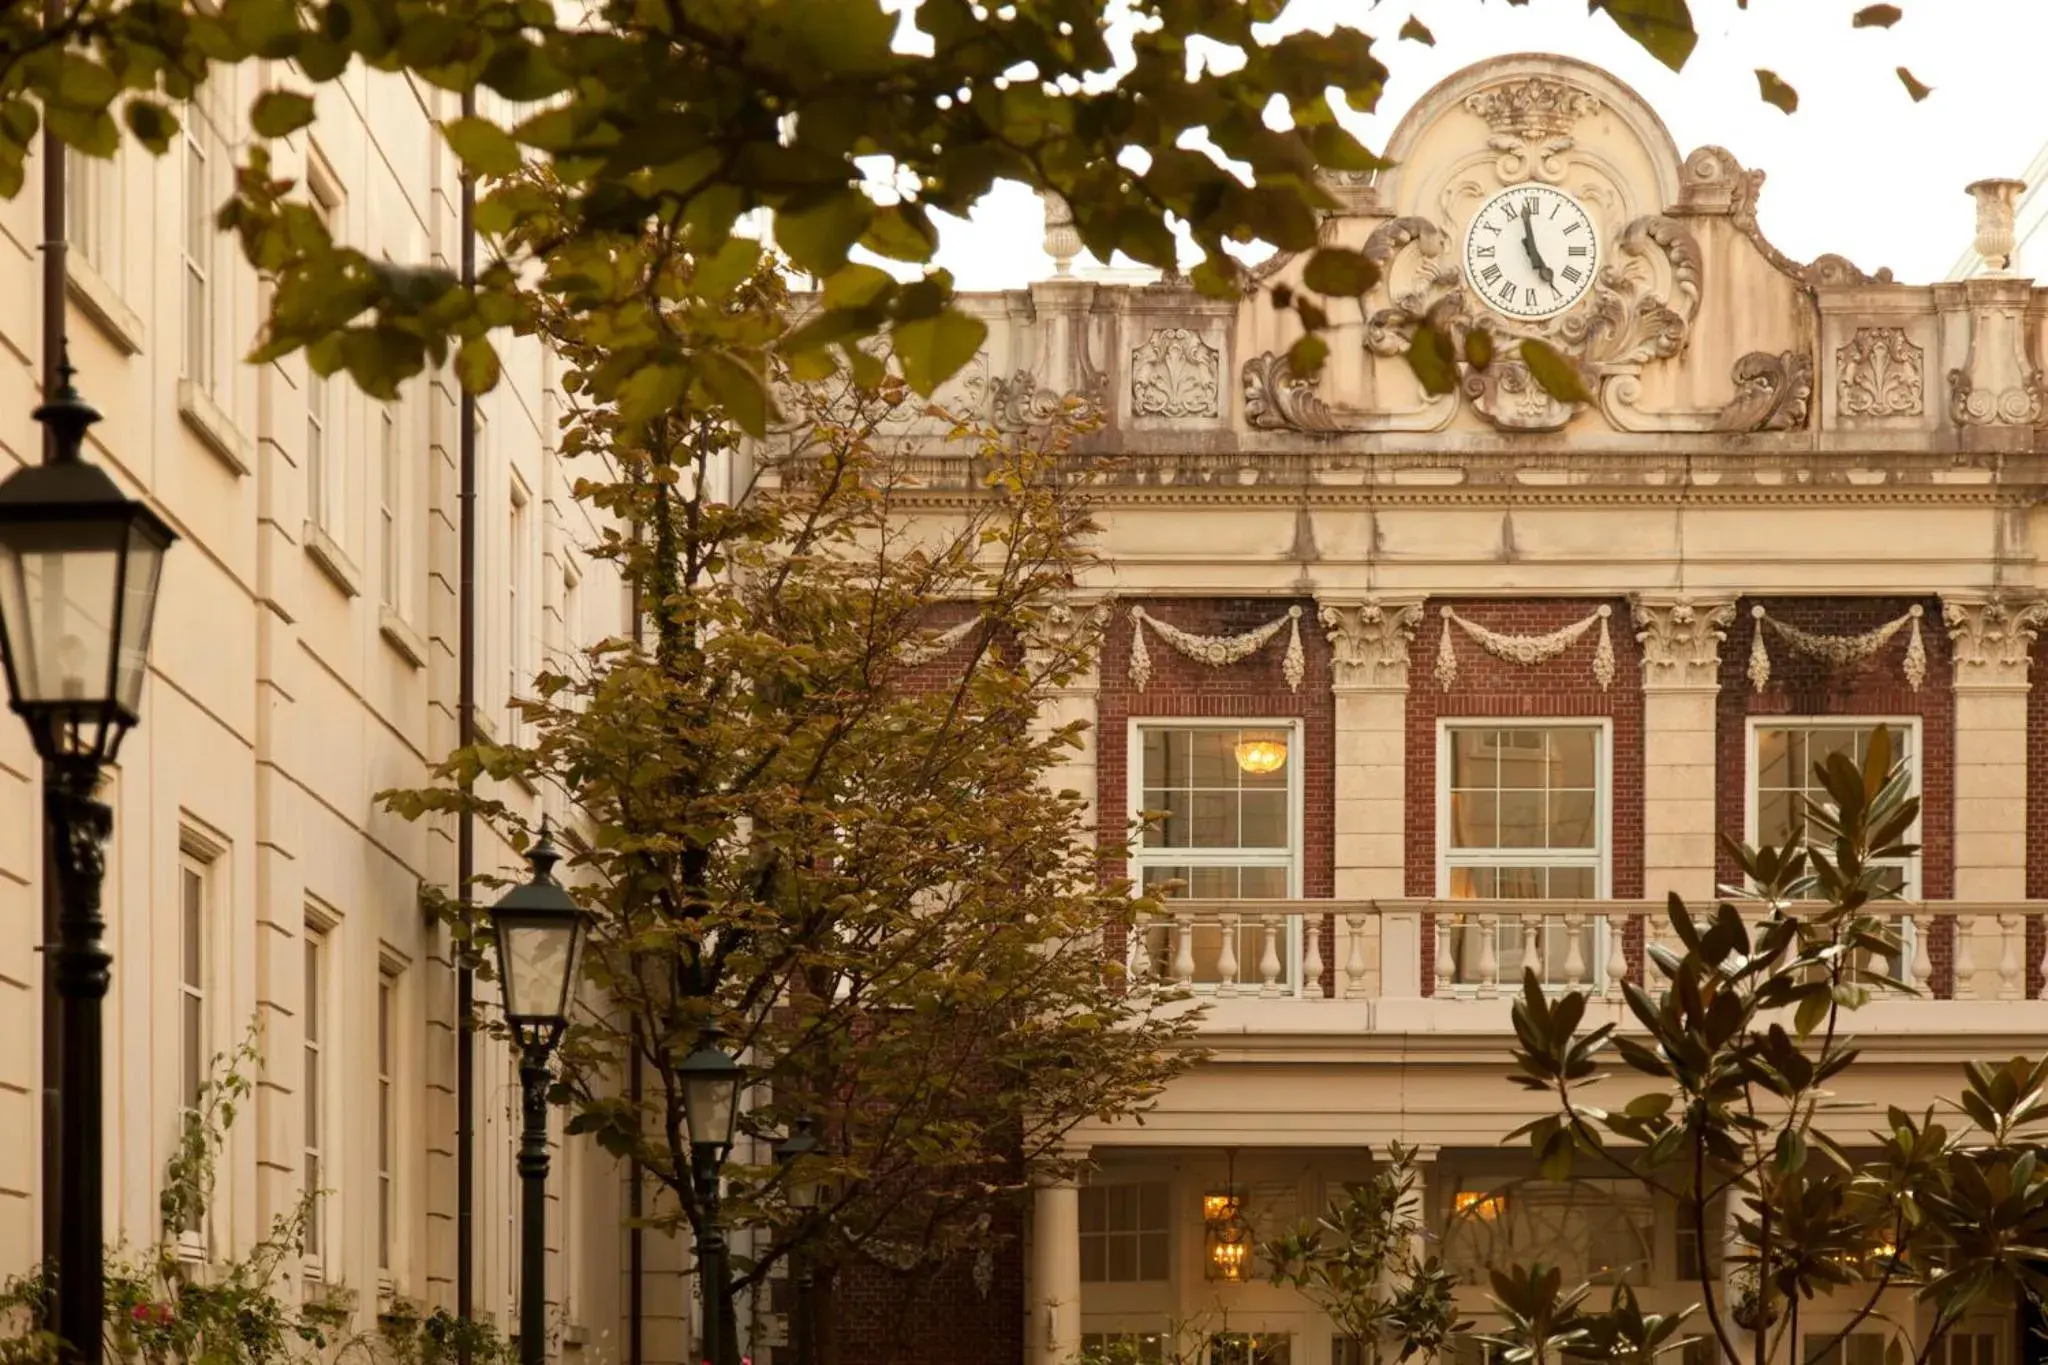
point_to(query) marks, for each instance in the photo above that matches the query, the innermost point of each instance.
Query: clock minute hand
(1529, 244)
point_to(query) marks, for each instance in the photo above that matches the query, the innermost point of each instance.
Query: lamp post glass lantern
(539, 929)
(80, 564)
(711, 1082)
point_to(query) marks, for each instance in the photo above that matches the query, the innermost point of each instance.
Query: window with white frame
(390, 520)
(1523, 816)
(1222, 805)
(324, 448)
(518, 603)
(314, 1020)
(1124, 1233)
(1966, 1348)
(205, 160)
(1784, 787)
(195, 906)
(92, 212)
(387, 1117)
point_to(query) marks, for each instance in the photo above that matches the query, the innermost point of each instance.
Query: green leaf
(83, 84)
(1434, 362)
(902, 232)
(1663, 27)
(153, 124)
(1775, 91)
(91, 131)
(483, 146)
(1913, 86)
(1416, 30)
(1478, 348)
(1877, 16)
(1306, 356)
(931, 350)
(817, 239)
(737, 387)
(1556, 376)
(718, 274)
(280, 113)
(1339, 270)
(856, 285)
(651, 391)
(476, 365)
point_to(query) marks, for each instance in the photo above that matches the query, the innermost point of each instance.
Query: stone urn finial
(1996, 200)
(1062, 243)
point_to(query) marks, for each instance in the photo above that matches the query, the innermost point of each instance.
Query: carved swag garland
(1838, 651)
(1527, 650)
(1217, 651)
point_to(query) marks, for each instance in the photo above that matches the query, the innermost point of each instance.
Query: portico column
(1369, 679)
(1054, 1326)
(1681, 640)
(1993, 640)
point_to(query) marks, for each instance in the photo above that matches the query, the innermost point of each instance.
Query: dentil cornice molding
(1369, 640)
(1681, 639)
(1993, 638)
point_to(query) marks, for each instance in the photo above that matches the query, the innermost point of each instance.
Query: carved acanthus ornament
(1881, 374)
(1175, 374)
(1532, 119)
(1838, 651)
(1713, 181)
(1217, 651)
(1275, 397)
(1682, 640)
(1526, 650)
(1772, 393)
(1021, 405)
(1993, 639)
(1369, 641)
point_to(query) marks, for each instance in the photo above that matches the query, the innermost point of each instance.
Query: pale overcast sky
(1860, 169)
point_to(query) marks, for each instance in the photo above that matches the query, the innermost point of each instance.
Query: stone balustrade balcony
(1451, 966)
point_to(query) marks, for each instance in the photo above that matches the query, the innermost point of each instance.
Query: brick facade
(1560, 688)
(883, 1318)
(2037, 809)
(1253, 689)
(1803, 686)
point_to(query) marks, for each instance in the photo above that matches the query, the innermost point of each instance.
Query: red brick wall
(1253, 689)
(1561, 688)
(1803, 686)
(879, 1317)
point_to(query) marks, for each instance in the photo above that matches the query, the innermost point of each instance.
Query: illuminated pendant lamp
(1228, 1235)
(1262, 754)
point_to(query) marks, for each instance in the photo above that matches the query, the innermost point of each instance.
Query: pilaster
(1681, 639)
(1369, 639)
(1053, 1327)
(1067, 645)
(1993, 639)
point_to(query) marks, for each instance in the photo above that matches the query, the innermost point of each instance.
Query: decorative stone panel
(1880, 373)
(1176, 374)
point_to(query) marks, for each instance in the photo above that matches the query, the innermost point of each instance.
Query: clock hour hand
(1543, 271)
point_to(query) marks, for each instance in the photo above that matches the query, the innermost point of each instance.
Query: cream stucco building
(1515, 664)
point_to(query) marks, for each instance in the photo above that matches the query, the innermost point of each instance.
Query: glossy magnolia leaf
(1339, 270)
(483, 146)
(1419, 32)
(1914, 87)
(1775, 91)
(931, 350)
(1663, 27)
(280, 113)
(1554, 374)
(476, 365)
(1434, 362)
(1877, 16)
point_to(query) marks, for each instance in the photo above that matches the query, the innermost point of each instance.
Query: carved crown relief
(1532, 119)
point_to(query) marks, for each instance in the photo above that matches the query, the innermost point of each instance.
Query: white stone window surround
(1753, 725)
(1141, 857)
(1600, 859)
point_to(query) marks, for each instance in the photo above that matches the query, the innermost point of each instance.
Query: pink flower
(141, 1313)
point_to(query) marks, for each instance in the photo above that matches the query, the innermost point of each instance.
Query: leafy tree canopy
(697, 115)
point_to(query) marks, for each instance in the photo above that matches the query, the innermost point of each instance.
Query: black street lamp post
(801, 1187)
(79, 567)
(539, 928)
(711, 1088)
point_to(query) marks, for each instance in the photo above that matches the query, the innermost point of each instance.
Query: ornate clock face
(1530, 251)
